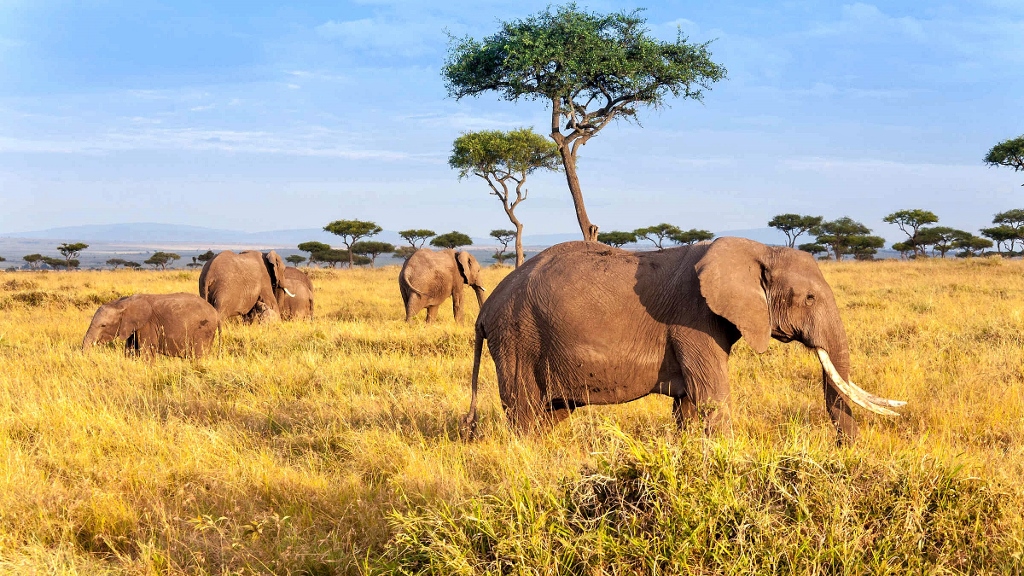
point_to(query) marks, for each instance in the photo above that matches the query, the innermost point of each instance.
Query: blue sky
(268, 115)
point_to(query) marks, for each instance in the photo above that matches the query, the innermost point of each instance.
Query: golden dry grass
(331, 446)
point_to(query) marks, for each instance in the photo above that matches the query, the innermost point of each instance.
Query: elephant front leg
(705, 368)
(457, 306)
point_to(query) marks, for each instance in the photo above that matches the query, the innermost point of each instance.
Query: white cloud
(386, 36)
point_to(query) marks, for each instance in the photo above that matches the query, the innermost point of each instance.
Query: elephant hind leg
(431, 313)
(413, 304)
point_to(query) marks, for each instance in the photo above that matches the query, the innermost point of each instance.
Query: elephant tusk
(288, 292)
(482, 289)
(855, 393)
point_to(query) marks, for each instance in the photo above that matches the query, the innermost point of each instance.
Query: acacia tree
(504, 237)
(404, 252)
(1009, 228)
(33, 260)
(658, 234)
(502, 158)
(692, 236)
(813, 248)
(1008, 153)
(910, 222)
(794, 225)
(417, 237)
(591, 68)
(161, 259)
(313, 248)
(840, 236)
(616, 238)
(942, 239)
(295, 259)
(971, 245)
(372, 249)
(115, 262)
(452, 240)
(70, 251)
(351, 231)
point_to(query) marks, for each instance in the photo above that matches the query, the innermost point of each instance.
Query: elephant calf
(171, 324)
(429, 278)
(298, 304)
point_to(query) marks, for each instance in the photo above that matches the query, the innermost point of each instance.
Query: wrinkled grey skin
(170, 324)
(584, 323)
(235, 283)
(429, 278)
(299, 306)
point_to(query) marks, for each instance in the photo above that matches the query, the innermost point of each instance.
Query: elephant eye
(810, 299)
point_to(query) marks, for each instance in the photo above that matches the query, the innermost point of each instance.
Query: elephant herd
(581, 323)
(255, 286)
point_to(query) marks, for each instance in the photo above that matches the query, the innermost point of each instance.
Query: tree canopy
(206, 256)
(794, 225)
(502, 159)
(452, 240)
(372, 249)
(1008, 153)
(33, 260)
(843, 236)
(351, 231)
(616, 238)
(161, 259)
(416, 238)
(590, 68)
(658, 234)
(504, 237)
(295, 259)
(692, 236)
(404, 252)
(910, 222)
(70, 251)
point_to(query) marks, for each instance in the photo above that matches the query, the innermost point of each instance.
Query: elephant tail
(468, 427)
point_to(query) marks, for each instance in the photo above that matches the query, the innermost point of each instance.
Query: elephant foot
(467, 427)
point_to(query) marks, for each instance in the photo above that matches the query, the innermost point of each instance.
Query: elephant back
(429, 273)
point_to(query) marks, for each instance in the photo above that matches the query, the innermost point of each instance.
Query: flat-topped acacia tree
(502, 158)
(591, 68)
(351, 231)
(1008, 153)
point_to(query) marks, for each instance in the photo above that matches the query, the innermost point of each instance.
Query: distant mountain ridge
(155, 233)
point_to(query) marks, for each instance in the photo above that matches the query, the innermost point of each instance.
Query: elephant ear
(276, 268)
(732, 280)
(135, 313)
(464, 262)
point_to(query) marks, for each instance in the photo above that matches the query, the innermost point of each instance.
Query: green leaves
(501, 155)
(1007, 153)
(451, 240)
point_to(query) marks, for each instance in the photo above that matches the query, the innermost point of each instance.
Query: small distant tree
(70, 251)
(504, 236)
(453, 240)
(333, 256)
(590, 68)
(405, 252)
(417, 237)
(616, 238)
(351, 231)
(1008, 153)
(2, 259)
(206, 256)
(813, 248)
(314, 248)
(1008, 229)
(658, 234)
(904, 248)
(195, 263)
(161, 259)
(971, 246)
(501, 159)
(865, 247)
(372, 249)
(692, 236)
(57, 263)
(115, 262)
(942, 239)
(910, 222)
(34, 260)
(132, 265)
(794, 225)
(295, 259)
(1001, 235)
(840, 235)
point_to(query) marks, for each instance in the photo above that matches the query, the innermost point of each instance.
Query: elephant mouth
(855, 394)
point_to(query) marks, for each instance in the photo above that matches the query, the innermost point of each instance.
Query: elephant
(428, 278)
(300, 304)
(170, 324)
(583, 323)
(235, 283)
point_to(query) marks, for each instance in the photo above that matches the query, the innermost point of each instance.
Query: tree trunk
(569, 163)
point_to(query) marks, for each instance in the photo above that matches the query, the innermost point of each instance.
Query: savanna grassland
(332, 446)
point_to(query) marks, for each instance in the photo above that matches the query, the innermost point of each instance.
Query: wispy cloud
(864, 19)
(386, 36)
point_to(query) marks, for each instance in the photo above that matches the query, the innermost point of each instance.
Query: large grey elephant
(300, 303)
(584, 323)
(429, 278)
(243, 284)
(171, 324)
